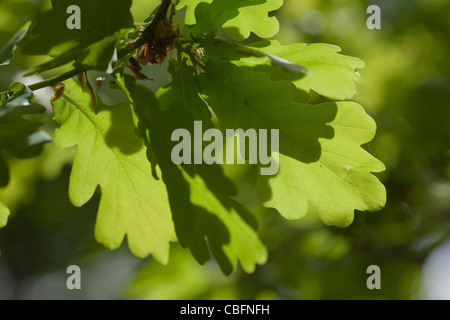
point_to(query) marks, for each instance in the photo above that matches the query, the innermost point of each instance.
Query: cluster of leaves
(126, 149)
(19, 137)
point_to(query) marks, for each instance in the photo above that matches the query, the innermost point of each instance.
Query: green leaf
(321, 164)
(329, 73)
(4, 172)
(224, 223)
(103, 23)
(237, 54)
(19, 136)
(199, 195)
(112, 156)
(98, 56)
(251, 16)
(7, 52)
(183, 93)
(237, 17)
(4, 213)
(254, 18)
(190, 9)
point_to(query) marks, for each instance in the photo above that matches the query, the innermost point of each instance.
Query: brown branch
(150, 31)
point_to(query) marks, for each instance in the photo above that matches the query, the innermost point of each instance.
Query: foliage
(18, 137)
(125, 149)
(110, 155)
(92, 47)
(405, 90)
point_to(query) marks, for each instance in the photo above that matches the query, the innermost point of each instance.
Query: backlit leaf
(4, 213)
(322, 166)
(199, 195)
(110, 155)
(7, 52)
(237, 17)
(328, 73)
(256, 19)
(19, 137)
(103, 23)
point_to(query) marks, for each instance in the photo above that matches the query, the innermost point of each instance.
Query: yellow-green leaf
(322, 166)
(4, 213)
(110, 155)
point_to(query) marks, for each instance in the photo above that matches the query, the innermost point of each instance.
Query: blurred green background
(406, 90)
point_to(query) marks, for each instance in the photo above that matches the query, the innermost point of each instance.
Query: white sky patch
(435, 279)
(43, 95)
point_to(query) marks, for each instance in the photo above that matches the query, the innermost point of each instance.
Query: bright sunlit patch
(435, 282)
